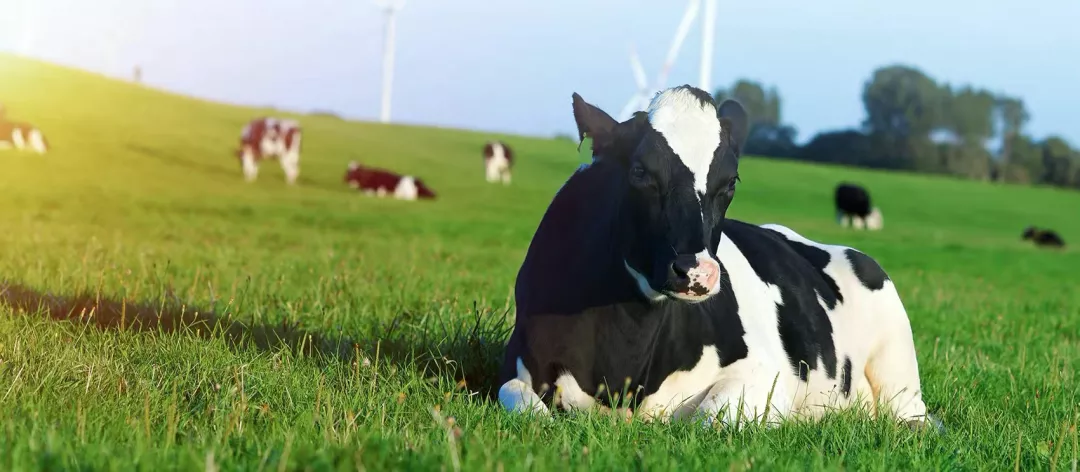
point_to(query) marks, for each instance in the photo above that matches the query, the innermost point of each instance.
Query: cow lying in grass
(267, 138)
(381, 182)
(22, 136)
(637, 291)
(1043, 237)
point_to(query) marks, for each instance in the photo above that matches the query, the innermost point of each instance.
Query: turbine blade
(639, 72)
(680, 35)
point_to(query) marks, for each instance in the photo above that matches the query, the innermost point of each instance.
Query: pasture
(157, 312)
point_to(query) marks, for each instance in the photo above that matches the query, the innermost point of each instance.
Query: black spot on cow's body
(869, 272)
(820, 259)
(845, 378)
(805, 329)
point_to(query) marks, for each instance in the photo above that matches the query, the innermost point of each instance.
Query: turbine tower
(643, 95)
(390, 9)
(708, 27)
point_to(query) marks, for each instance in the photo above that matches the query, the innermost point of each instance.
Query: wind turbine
(708, 27)
(641, 98)
(390, 9)
(642, 94)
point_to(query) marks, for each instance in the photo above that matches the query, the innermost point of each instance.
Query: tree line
(915, 123)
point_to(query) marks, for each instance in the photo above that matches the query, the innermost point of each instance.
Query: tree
(1011, 115)
(1021, 160)
(970, 160)
(772, 140)
(1059, 162)
(901, 101)
(763, 107)
(903, 105)
(842, 147)
(968, 114)
(767, 136)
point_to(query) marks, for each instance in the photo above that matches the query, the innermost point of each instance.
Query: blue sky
(512, 65)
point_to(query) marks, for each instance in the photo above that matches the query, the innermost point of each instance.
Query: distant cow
(498, 159)
(636, 290)
(22, 136)
(268, 138)
(853, 208)
(1043, 237)
(381, 182)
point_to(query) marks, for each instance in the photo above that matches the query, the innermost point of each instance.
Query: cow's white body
(870, 327)
(497, 168)
(873, 222)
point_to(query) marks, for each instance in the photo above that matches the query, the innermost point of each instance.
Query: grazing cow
(22, 136)
(381, 182)
(267, 138)
(636, 292)
(853, 208)
(498, 159)
(1043, 237)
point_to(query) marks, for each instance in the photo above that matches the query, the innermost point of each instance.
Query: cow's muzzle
(693, 277)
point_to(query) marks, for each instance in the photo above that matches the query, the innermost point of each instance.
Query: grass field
(158, 313)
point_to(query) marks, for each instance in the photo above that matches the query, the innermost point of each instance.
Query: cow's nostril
(679, 270)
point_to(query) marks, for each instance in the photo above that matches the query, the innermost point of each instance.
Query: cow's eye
(638, 175)
(731, 184)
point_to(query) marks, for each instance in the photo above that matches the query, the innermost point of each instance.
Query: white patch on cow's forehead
(690, 127)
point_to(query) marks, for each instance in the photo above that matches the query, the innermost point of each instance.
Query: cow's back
(852, 199)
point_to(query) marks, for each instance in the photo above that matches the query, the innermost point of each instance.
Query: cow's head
(680, 161)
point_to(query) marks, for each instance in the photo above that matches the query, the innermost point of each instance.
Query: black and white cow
(498, 160)
(636, 286)
(1042, 237)
(853, 208)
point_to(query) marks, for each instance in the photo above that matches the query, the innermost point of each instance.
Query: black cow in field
(853, 207)
(637, 293)
(1043, 237)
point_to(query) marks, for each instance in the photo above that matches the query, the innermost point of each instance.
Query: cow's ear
(734, 122)
(594, 123)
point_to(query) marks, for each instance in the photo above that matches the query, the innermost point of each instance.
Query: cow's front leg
(517, 394)
(742, 399)
(290, 164)
(251, 170)
(519, 397)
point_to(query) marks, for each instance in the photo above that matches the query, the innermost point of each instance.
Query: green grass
(159, 313)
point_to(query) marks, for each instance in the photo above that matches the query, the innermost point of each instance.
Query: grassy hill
(157, 311)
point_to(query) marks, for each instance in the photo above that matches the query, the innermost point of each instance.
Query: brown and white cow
(268, 138)
(20, 135)
(498, 159)
(381, 182)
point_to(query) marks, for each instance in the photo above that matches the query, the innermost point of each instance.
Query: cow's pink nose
(704, 277)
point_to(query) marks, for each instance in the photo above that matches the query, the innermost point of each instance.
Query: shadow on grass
(228, 155)
(467, 351)
(179, 161)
